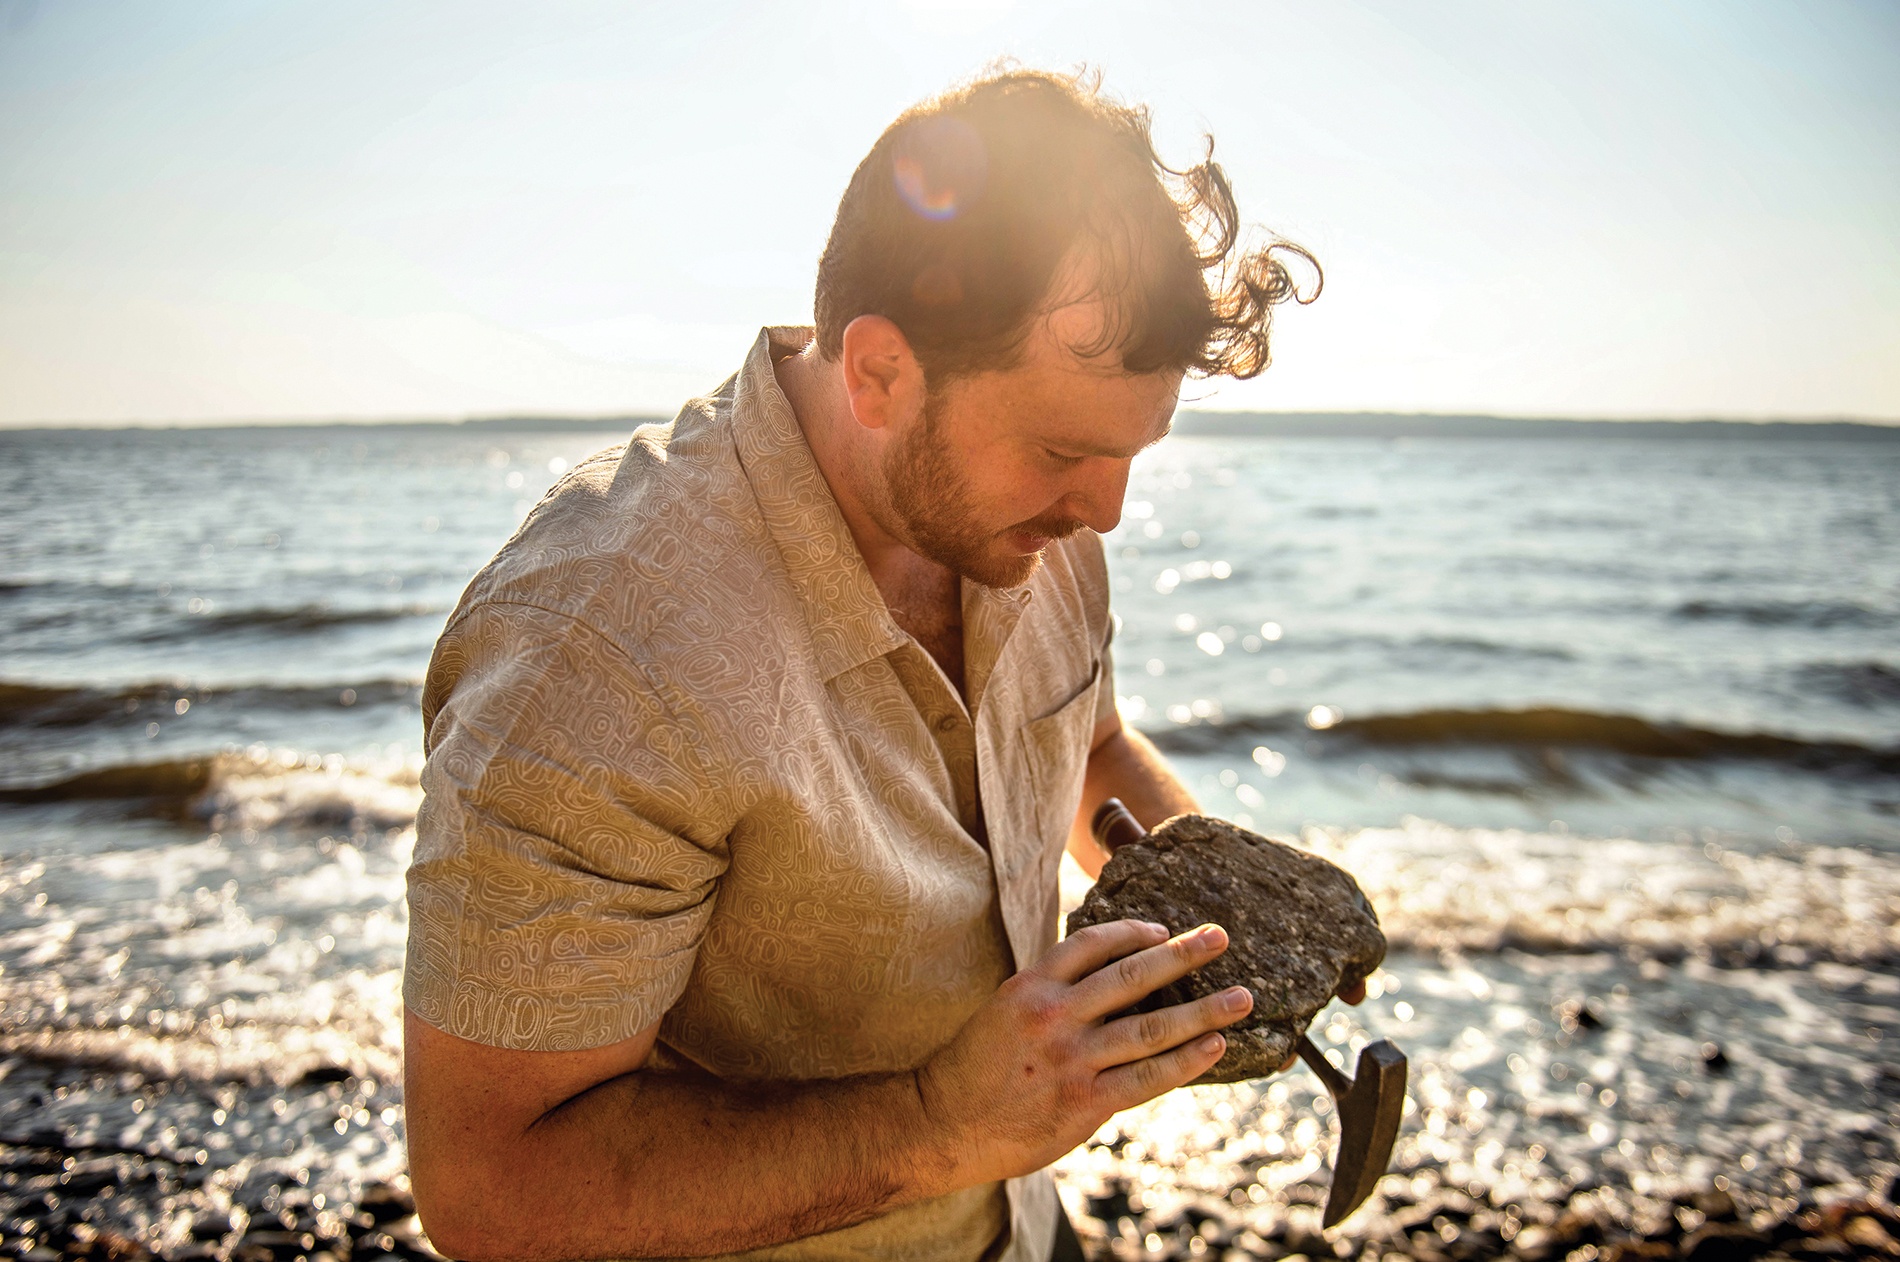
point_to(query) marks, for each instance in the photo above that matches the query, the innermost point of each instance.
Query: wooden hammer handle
(1115, 826)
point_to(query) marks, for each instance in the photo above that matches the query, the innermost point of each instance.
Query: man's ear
(882, 377)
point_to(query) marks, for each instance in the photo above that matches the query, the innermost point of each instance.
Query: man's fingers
(1128, 1085)
(1145, 1034)
(1087, 950)
(1132, 978)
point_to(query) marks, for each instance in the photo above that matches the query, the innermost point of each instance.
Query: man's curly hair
(999, 200)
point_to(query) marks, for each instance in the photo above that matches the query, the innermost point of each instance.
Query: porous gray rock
(1299, 928)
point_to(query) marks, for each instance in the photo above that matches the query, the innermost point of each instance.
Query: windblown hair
(991, 204)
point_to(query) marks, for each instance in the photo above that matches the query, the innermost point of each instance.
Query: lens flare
(940, 167)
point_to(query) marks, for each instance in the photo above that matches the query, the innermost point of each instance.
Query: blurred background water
(1608, 726)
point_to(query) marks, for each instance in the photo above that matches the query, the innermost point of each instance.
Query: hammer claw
(1370, 1104)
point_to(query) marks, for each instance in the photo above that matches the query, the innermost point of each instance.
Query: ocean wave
(294, 1030)
(250, 789)
(34, 699)
(1868, 685)
(42, 705)
(292, 620)
(1784, 613)
(1467, 645)
(1543, 728)
(1441, 888)
(176, 779)
(253, 1054)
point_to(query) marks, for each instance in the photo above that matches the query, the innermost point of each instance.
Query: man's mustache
(1051, 528)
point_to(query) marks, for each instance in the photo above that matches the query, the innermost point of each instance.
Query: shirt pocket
(1058, 745)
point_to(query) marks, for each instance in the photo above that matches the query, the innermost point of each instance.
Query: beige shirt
(684, 767)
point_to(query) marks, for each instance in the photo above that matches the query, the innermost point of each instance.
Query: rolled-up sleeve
(568, 848)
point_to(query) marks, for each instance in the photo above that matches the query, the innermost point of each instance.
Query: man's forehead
(1080, 403)
(1084, 329)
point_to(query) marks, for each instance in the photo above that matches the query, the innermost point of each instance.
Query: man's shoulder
(642, 532)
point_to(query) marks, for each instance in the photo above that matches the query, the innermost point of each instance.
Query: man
(753, 755)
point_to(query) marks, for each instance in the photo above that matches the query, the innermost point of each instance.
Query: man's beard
(929, 495)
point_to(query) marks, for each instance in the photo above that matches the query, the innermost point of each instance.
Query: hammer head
(1369, 1109)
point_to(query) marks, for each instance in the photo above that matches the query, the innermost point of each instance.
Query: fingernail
(1209, 935)
(1157, 927)
(1213, 1043)
(1236, 999)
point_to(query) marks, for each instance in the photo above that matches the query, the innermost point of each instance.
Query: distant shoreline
(1438, 425)
(1385, 425)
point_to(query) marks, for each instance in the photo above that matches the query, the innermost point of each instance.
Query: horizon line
(1230, 416)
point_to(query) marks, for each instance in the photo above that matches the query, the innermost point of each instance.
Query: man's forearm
(664, 1165)
(1126, 765)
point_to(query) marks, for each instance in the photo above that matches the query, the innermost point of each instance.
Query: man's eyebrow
(1098, 449)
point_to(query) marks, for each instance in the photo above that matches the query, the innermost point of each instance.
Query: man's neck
(924, 598)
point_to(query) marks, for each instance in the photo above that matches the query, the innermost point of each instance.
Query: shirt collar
(849, 622)
(990, 614)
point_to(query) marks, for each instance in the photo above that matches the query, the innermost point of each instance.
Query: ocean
(1607, 724)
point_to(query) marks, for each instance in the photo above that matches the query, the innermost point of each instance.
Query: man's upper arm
(566, 852)
(471, 1110)
(467, 1096)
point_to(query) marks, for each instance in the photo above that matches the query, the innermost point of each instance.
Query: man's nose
(1097, 501)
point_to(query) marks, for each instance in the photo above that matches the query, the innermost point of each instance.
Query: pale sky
(362, 209)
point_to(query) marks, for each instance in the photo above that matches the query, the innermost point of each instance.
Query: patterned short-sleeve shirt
(684, 767)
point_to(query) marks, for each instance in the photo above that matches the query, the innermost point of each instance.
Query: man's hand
(1039, 1067)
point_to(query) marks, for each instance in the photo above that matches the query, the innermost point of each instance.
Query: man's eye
(1059, 460)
